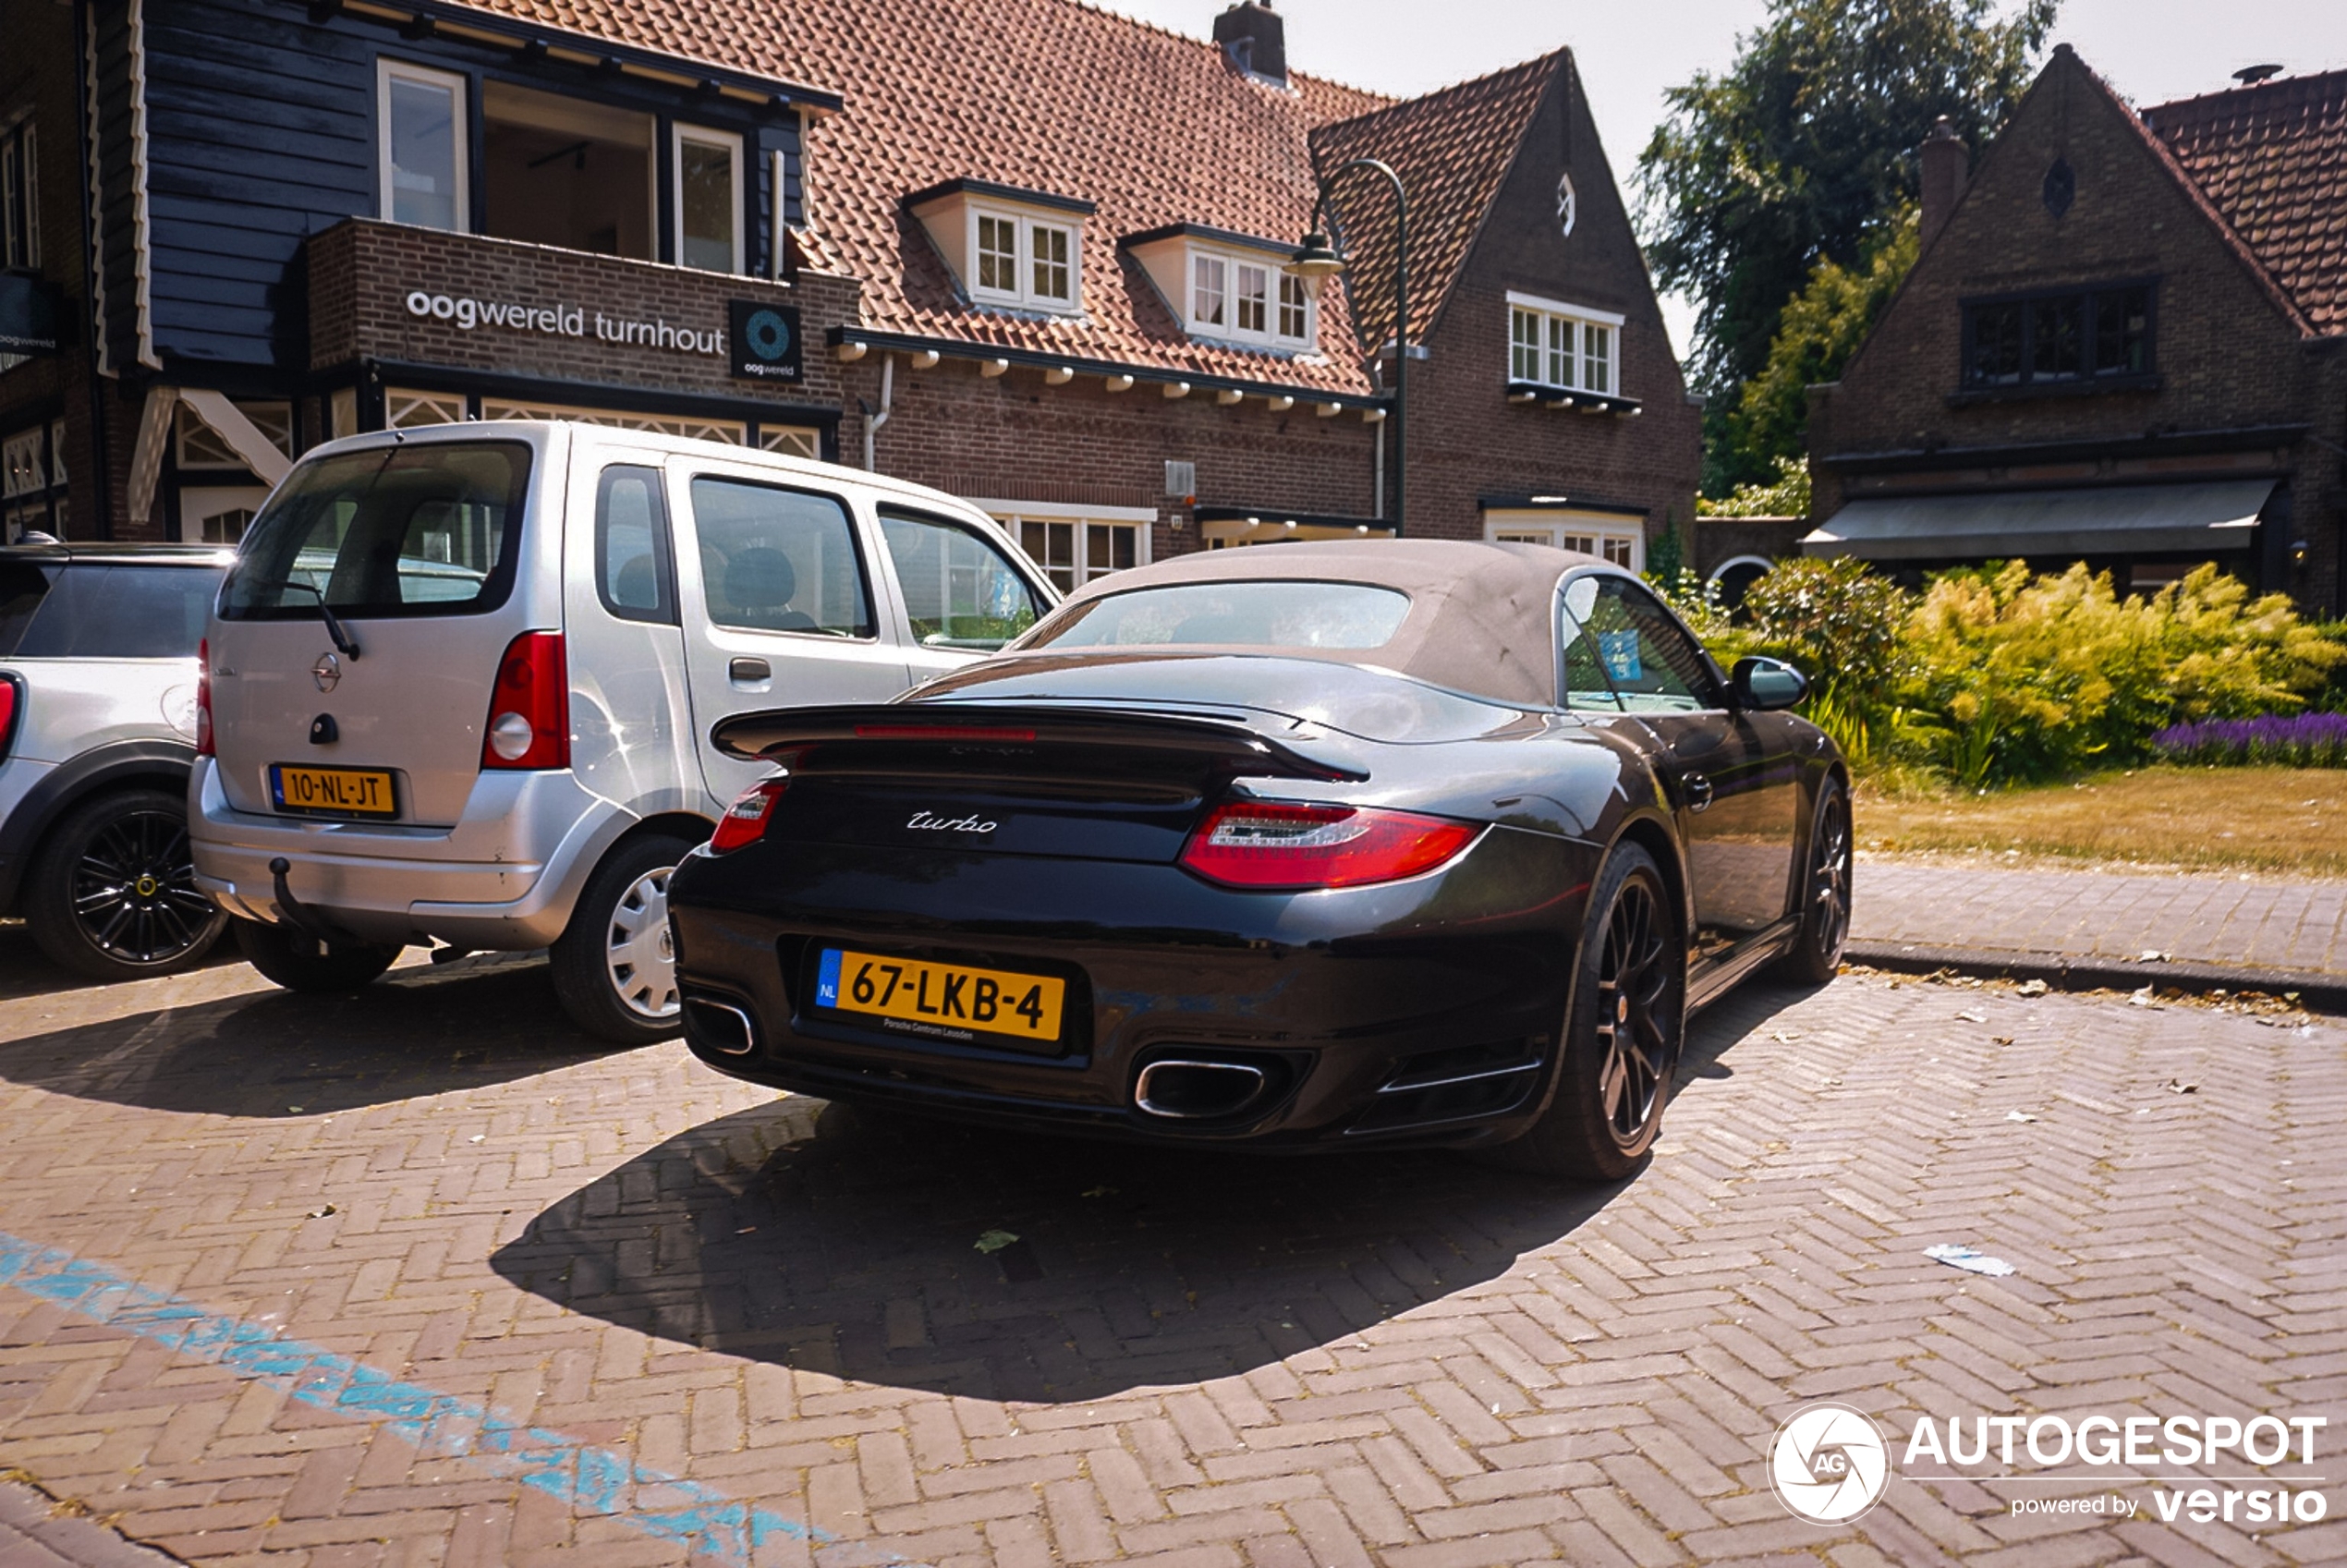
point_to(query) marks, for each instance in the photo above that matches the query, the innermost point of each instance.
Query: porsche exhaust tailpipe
(1180, 1089)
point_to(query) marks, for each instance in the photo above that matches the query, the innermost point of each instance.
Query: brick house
(2124, 342)
(1031, 252)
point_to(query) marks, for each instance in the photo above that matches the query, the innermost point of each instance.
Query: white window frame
(1229, 264)
(386, 69)
(1141, 520)
(1622, 540)
(1585, 324)
(680, 133)
(20, 194)
(1025, 295)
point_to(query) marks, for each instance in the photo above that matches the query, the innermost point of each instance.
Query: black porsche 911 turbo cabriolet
(1365, 842)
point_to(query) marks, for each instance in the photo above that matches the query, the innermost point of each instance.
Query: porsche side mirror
(1767, 685)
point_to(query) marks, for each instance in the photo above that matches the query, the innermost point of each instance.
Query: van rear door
(416, 548)
(777, 583)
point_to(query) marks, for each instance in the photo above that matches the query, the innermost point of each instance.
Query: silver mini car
(458, 685)
(97, 734)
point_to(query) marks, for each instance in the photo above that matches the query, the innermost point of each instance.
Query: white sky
(1630, 51)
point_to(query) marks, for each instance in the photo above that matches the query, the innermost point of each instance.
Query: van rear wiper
(342, 639)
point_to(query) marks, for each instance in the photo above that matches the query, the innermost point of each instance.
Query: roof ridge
(1101, 8)
(2296, 87)
(1538, 63)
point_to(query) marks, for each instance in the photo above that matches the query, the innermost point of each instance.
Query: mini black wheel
(614, 970)
(1623, 1030)
(299, 961)
(1816, 954)
(111, 894)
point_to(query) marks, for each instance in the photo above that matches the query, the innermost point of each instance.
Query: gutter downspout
(875, 418)
(1377, 473)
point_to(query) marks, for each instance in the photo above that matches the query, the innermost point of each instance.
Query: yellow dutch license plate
(941, 1001)
(345, 791)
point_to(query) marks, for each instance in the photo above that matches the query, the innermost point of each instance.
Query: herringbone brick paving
(2195, 917)
(1405, 1360)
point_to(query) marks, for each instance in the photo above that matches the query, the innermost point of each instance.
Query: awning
(2119, 520)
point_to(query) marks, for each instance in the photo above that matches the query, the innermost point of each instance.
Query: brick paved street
(552, 1263)
(2204, 918)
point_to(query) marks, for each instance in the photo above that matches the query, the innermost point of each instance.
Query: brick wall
(2227, 354)
(1466, 438)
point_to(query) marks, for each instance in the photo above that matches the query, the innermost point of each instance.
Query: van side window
(777, 560)
(633, 575)
(960, 591)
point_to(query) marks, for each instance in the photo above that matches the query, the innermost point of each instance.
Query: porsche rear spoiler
(982, 734)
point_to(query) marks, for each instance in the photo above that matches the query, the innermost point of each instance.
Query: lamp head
(1316, 260)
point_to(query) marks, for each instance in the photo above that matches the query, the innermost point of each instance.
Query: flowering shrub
(2296, 740)
(1998, 676)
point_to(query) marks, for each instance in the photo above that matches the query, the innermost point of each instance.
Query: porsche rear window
(1233, 615)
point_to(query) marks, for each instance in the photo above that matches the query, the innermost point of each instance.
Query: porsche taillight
(744, 821)
(529, 706)
(203, 698)
(1266, 844)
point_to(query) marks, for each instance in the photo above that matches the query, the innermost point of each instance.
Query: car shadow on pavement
(836, 1239)
(417, 1032)
(25, 970)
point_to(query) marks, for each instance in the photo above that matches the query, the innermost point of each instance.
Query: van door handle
(1698, 790)
(745, 670)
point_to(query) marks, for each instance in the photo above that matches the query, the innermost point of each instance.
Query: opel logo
(326, 671)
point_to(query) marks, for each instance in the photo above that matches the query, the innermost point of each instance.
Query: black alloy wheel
(1632, 981)
(111, 893)
(1815, 955)
(1622, 1032)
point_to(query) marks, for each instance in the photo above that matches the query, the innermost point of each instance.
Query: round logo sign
(1829, 1464)
(768, 335)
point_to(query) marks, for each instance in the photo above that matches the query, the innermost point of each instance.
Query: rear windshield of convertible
(1232, 615)
(426, 529)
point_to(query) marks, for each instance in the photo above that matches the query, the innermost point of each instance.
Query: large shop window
(423, 116)
(560, 171)
(709, 199)
(1072, 547)
(32, 480)
(405, 408)
(2066, 336)
(1621, 541)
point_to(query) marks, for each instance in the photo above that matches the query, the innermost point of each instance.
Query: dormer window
(1229, 286)
(1023, 249)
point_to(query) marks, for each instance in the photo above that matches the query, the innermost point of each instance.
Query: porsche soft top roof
(1480, 618)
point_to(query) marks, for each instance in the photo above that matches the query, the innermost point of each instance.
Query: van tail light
(744, 821)
(1254, 843)
(530, 707)
(11, 704)
(203, 699)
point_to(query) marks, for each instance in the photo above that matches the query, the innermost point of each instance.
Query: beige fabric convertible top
(1481, 616)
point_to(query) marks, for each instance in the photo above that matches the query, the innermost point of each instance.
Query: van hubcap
(134, 890)
(638, 955)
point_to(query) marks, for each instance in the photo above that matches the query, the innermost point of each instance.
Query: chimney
(1946, 160)
(1254, 40)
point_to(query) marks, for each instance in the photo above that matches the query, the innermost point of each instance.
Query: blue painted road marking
(588, 1479)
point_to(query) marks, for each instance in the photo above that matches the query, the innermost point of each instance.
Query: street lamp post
(1316, 260)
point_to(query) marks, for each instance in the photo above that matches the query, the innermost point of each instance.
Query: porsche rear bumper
(1423, 1011)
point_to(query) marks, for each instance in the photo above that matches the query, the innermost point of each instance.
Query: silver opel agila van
(458, 685)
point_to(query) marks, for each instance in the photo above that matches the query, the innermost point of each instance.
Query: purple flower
(2306, 740)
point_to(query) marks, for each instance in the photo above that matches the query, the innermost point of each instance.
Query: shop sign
(29, 315)
(559, 319)
(765, 340)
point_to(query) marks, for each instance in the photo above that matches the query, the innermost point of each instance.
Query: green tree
(1802, 151)
(1820, 328)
